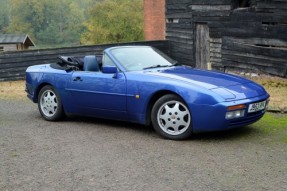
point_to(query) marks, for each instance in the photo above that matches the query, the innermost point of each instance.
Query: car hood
(226, 85)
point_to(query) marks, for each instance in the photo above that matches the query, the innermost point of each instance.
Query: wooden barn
(12, 42)
(229, 35)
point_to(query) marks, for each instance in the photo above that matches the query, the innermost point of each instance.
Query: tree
(4, 14)
(63, 23)
(115, 21)
(48, 22)
(26, 16)
(56, 23)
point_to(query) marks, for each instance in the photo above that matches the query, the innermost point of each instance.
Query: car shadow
(232, 134)
(107, 123)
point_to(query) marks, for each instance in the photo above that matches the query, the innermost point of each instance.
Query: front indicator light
(236, 107)
(235, 114)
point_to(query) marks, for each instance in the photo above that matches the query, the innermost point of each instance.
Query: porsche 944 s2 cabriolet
(141, 84)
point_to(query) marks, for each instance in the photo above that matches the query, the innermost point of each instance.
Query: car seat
(91, 64)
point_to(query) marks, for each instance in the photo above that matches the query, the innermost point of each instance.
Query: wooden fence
(13, 64)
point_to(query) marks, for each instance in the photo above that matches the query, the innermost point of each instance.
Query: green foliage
(54, 23)
(63, 23)
(115, 21)
(4, 15)
(48, 22)
(27, 16)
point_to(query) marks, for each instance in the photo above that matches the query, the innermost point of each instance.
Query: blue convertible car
(142, 85)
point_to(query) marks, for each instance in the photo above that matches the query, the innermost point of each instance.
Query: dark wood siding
(250, 37)
(179, 30)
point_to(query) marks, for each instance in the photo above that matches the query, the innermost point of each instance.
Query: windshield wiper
(176, 64)
(157, 66)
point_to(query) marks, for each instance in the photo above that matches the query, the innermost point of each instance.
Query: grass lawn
(273, 125)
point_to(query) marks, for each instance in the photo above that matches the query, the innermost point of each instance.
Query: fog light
(229, 115)
(234, 114)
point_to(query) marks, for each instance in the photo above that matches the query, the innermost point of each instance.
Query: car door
(98, 94)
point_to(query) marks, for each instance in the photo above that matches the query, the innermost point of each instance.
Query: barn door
(202, 46)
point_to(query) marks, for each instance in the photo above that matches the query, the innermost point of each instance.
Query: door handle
(77, 79)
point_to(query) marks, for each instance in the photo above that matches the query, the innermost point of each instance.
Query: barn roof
(16, 39)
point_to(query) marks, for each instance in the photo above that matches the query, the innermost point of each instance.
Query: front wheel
(49, 104)
(171, 118)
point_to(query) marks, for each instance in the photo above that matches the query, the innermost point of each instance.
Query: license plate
(256, 106)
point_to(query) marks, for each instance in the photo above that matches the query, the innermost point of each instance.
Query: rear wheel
(171, 118)
(49, 104)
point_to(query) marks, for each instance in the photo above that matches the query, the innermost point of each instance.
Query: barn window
(172, 20)
(269, 23)
(242, 4)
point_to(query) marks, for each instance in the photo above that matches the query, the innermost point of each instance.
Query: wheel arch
(51, 107)
(153, 99)
(39, 89)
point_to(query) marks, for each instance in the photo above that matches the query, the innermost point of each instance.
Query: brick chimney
(154, 19)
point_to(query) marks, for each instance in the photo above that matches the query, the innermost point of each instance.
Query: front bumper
(208, 118)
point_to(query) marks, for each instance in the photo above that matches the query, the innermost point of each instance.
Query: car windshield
(141, 58)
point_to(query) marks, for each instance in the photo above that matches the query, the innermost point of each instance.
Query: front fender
(140, 93)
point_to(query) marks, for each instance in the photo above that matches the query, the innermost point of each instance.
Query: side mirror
(109, 69)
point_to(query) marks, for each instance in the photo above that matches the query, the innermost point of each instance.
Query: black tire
(171, 118)
(50, 104)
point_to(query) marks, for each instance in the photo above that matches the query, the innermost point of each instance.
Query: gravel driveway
(92, 154)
